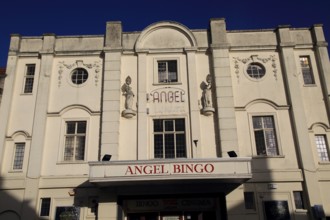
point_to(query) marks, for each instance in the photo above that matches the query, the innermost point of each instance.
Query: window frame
(256, 64)
(250, 195)
(41, 207)
(309, 69)
(277, 135)
(156, 72)
(82, 82)
(15, 156)
(186, 137)
(301, 197)
(326, 146)
(64, 136)
(27, 77)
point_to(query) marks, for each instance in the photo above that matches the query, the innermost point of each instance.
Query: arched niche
(165, 35)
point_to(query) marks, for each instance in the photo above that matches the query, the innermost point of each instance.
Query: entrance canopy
(222, 170)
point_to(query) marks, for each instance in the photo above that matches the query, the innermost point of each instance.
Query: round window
(79, 76)
(256, 70)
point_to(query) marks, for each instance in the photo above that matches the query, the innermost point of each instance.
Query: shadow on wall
(12, 205)
(265, 198)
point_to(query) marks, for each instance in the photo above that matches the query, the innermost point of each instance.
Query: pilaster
(193, 105)
(322, 60)
(39, 127)
(299, 123)
(111, 91)
(224, 92)
(8, 90)
(142, 107)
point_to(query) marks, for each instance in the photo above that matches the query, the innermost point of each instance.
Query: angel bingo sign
(167, 99)
(169, 169)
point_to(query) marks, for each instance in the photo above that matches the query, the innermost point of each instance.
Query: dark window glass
(79, 76)
(45, 207)
(67, 213)
(29, 78)
(249, 200)
(256, 70)
(298, 199)
(277, 210)
(158, 142)
(169, 142)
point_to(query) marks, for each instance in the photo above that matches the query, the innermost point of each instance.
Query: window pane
(169, 125)
(167, 71)
(271, 142)
(158, 142)
(169, 146)
(70, 127)
(172, 71)
(30, 69)
(29, 78)
(249, 200)
(169, 138)
(19, 156)
(81, 127)
(256, 70)
(260, 142)
(80, 148)
(68, 151)
(172, 66)
(179, 125)
(45, 207)
(28, 85)
(180, 145)
(79, 76)
(75, 140)
(268, 122)
(257, 122)
(158, 125)
(161, 66)
(162, 73)
(322, 147)
(298, 199)
(67, 213)
(306, 70)
(265, 136)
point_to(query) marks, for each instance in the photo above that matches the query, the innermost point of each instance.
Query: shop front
(171, 190)
(171, 208)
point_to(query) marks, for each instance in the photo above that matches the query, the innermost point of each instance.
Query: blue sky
(73, 17)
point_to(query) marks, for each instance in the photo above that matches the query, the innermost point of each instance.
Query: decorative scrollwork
(265, 60)
(96, 65)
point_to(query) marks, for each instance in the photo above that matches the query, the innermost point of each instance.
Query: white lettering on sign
(166, 169)
(167, 95)
(172, 204)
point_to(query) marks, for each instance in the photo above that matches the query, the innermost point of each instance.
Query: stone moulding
(96, 66)
(254, 58)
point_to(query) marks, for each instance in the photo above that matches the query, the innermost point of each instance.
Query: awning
(222, 170)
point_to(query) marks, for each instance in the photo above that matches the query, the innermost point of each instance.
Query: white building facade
(167, 124)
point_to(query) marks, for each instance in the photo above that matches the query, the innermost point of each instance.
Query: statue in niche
(207, 97)
(129, 98)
